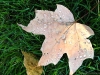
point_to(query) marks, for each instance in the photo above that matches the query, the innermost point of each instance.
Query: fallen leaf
(30, 63)
(62, 35)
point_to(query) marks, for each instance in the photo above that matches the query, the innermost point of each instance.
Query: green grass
(13, 39)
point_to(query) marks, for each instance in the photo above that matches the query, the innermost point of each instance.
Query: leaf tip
(22, 26)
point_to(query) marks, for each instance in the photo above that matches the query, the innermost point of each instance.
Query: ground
(13, 39)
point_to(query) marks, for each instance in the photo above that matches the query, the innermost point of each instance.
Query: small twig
(88, 12)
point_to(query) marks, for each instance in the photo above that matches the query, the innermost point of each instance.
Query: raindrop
(77, 57)
(71, 37)
(83, 34)
(51, 13)
(47, 61)
(57, 41)
(91, 48)
(63, 37)
(37, 28)
(60, 49)
(45, 26)
(58, 56)
(60, 17)
(60, 11)
(39, 21)
(63, 16)
(65, 41)
(70, 42)
(44, 15)
(56, 15)
(55, 19)
(88, 41)
(60, 20)
(84, 56)
(80, 56)
(49, 23)
(85, 49)
(57, 32)
(33, 31)
(41, 28)
(52, 16)
(89, 55)
(81, 49)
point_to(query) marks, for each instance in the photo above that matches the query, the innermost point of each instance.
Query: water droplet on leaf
(65, 41)
(84, 55)
(63, 37)
(80, 56)
(45, 25)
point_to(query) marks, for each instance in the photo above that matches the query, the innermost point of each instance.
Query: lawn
(13, 39)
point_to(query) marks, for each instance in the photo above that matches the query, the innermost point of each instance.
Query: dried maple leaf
(62, 35)
(30, 62)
